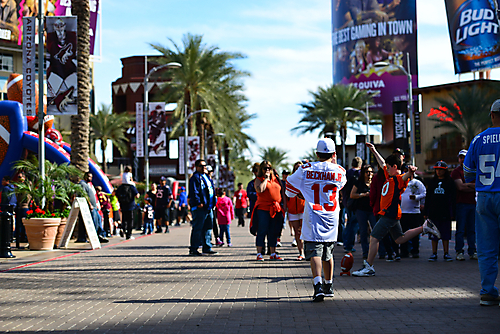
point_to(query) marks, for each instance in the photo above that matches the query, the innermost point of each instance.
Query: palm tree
(275, 156)
(80, 122)
(464, 114)
(106, 125)
(311, 155)
(326, 111)
(206, 80)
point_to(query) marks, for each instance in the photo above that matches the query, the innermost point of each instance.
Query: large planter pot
(41, 232)
(60, 231)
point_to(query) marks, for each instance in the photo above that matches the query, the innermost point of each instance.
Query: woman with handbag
(267, 215)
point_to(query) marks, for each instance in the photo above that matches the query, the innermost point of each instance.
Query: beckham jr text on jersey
(319, 183)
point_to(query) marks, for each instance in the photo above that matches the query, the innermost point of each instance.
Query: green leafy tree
(275, 156)
(311, 155)
(465, 113)
(80, 123)
(326, 110)
(208, 79)
(106, 125)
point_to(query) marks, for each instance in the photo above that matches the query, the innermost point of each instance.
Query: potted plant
(43, 219)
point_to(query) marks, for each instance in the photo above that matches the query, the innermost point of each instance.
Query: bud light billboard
(371, 40)
(474, 34)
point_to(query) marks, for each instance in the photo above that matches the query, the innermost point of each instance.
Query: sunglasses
(369, 172)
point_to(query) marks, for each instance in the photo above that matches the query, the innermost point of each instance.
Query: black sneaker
(210, 252)
(447, 257)
(319, 295)
(194, 253)
(103, 240)
(433, 258)
(328, 289)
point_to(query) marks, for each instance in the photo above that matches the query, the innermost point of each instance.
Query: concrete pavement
(151, 285)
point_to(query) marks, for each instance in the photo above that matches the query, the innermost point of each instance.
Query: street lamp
(410, 102)
(186, 118)
(146, 114)
(367, 116)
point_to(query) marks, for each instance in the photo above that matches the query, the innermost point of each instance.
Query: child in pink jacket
(225, 214)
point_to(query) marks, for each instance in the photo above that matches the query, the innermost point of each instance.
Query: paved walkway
(151, 285)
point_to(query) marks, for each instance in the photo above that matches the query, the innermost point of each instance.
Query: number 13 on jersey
(331, 191)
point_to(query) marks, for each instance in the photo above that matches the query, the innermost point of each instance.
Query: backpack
(125, 194)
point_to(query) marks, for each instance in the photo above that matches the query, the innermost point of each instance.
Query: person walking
(251, 192)
(183, 206)
(267, 217)
(466, 211)
(351, 226)
(225, 214)
(126, 194)
(241, 203)
(295, 207)
(162, 205)
(88, 187)
(481, 165)
(319, 184)
(202, 201)
(390, 210)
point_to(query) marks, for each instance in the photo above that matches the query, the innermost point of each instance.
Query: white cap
(462, 152)
(325, 145)
(495, 107)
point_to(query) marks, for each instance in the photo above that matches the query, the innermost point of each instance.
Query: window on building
(7, 63)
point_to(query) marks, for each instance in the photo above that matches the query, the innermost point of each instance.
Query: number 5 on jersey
(332, 197)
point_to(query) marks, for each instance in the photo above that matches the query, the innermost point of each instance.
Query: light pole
(410, 102)
(186, 118)
(367, 116)
(146, 114)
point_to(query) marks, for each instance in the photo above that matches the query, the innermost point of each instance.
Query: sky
(287, 44)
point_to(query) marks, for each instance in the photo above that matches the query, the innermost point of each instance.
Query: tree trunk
(103, 149)
(200, 127)
(80, 123)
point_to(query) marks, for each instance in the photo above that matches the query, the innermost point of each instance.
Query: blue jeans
(350, 230)
(466, 220)
(201, 229)
(364, 217)
(224, 229)
(96, 219)
(488, 239)
(267, 227)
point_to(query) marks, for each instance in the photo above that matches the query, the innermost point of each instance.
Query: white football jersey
(319, 183)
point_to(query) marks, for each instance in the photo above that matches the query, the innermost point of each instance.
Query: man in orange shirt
(390, 210)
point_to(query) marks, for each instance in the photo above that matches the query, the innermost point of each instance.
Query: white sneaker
(430, 228)
(294, 243)
(131, 238)
(366, 271)
(460, 257)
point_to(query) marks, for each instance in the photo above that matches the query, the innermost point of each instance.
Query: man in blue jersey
(482, 164)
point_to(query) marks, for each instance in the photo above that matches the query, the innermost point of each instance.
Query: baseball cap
(149, 200)
(325, 145)
(183, 188)
(495, 107)
(462, 152)
(163, 178)
(441, 164)
(398, 150)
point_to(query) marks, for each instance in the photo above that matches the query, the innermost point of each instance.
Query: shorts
(116, 216)
(444, 227)
(161, 213)
(295, 216)
(387, 225)
(324, 250)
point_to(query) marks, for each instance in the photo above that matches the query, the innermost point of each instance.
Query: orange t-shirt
(390, 200)
(295, 205)
(270, 198)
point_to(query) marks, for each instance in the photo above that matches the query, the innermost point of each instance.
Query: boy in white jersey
(319, 184)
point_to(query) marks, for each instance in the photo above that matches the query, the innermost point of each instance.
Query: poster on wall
(193, 153)
(157, 122)
(474, 34)
(62, 89)
(14, 11)
(368, 32)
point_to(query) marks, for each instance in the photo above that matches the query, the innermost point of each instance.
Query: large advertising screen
(367, 33)
(13, 11)
(474, 34)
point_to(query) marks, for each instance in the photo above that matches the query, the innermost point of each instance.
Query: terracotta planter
(41, 232)
(60, 231)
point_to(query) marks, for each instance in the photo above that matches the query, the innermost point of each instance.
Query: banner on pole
(474, 34)
(29, 52)
(139, 129)
(62, 86)
(157, 122)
